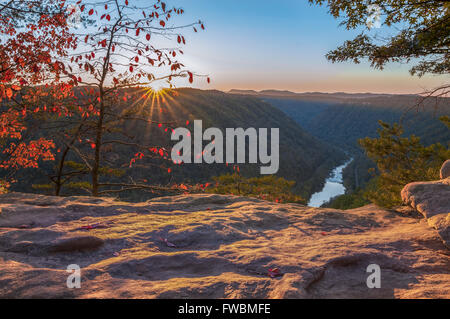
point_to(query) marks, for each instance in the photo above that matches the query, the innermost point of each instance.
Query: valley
(319, 132)
(303, 158)
(341, 119)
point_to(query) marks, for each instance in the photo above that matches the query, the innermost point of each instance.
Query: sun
(157, 88)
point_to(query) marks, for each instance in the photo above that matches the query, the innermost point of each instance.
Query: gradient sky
(261, 44)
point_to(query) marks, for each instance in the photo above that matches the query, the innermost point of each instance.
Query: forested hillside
(341, 119)
(303, 158)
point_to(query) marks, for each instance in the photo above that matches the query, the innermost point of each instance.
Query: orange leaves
(176, 66)
(10, 125)
(139, 155)
(9, 93)
(103, 43)
(27, 155)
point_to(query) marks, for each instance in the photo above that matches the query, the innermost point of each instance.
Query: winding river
(333, 187)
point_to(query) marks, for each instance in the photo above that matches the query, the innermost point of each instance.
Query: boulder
(432, 200)
(445, 169)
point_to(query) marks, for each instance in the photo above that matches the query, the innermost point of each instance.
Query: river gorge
(333, 187)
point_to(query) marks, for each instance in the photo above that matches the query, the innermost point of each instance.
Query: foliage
(419, 30)
(445, 120)
(400, 160)
(349, 201)
(4, 186)
(271, 188)
(34, 38)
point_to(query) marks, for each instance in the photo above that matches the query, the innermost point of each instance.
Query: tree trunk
(60, 170)
(98, 143)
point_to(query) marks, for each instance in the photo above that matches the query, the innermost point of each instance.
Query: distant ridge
(335, 95)
(246, 92)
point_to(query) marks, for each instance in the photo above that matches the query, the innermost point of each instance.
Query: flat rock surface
(213, 246)
(432, 200)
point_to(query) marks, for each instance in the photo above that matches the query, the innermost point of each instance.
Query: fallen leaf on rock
(168, 243)
(275, 272)
(94, 226)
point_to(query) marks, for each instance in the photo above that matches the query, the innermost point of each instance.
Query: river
(333, 187)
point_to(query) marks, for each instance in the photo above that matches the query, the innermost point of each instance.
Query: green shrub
(268, 187)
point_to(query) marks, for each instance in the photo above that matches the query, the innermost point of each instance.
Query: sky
(259, 44)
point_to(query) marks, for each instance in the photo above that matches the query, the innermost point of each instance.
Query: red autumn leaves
(41, 52)
(159, 14)
(30, 55)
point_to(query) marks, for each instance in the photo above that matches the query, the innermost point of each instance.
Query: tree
(421, 33)
(270, 187)
(115, 64)
(400, 160)
(34, 36)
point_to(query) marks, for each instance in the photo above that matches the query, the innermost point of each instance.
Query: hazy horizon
(288, 91)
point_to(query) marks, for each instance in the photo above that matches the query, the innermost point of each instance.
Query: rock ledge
(212, 246)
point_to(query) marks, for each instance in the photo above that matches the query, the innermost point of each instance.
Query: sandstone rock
(22, 247)
(224, 248)
(445, 169)
(432, 200)
(75, 244)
